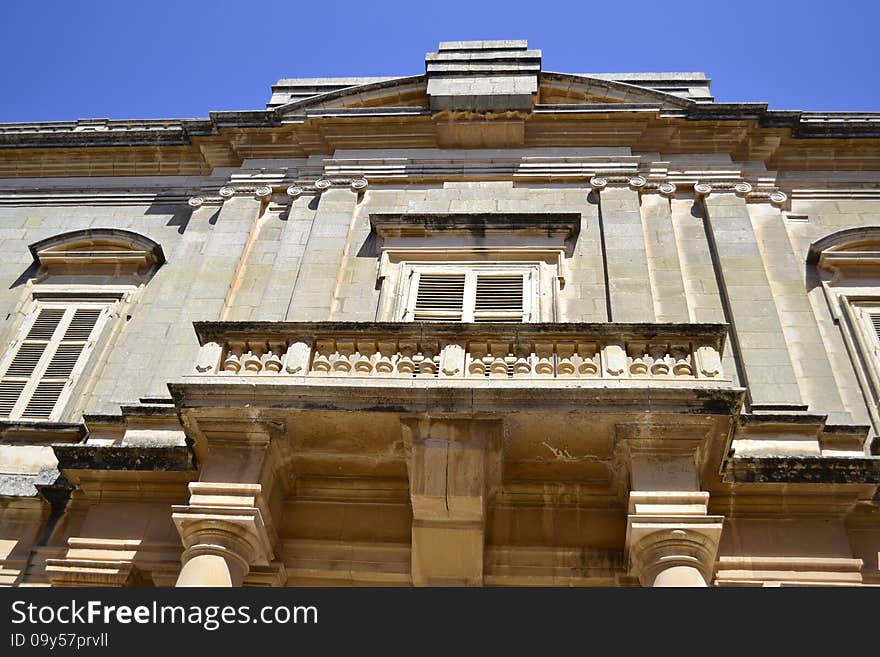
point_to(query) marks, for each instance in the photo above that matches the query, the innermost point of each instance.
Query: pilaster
(664, 266)
(756, 331)
(316, 281)
(626, 260)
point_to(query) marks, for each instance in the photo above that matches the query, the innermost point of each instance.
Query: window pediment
(114, 253)
(853, 253)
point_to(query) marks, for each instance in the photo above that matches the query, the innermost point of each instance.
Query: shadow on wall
(180, 215)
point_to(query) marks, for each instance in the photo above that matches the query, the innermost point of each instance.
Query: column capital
(659, 543)
(246, 189)
(314, 187)
(742, 188)
(225, 520)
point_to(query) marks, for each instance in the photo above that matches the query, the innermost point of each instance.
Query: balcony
(556, 401)
(453, 366)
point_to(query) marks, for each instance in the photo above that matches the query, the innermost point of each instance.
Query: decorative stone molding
(638, 182)
(598, 182)
(356, 184)
(847, 252)
(199, 201)
(702, 189)
(667, 188)
(98, 251)
(778, 197)
(301, 187)
(90, 572)
(237, 189)
(742, 188)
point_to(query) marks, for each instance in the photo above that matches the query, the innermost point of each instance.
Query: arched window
(82, 281)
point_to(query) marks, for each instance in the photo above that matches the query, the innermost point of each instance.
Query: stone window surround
(848, 309)
(540, 241)
(102, 266)
(849, 264)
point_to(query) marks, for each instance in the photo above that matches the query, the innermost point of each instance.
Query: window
(480, 293)
(41, 367)
(467, 267)
(83, 278)
(869, 320)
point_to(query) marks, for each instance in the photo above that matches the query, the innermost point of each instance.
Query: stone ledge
(803, 470)
(112, 457)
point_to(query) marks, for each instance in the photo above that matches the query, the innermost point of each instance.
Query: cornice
(107, 132)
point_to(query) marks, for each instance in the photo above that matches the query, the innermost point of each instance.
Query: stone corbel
(453, 467)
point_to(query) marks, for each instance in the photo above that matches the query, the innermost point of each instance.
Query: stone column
(452, 464)
(626, 261)
(671, 540)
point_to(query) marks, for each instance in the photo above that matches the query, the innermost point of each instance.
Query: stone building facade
(487, 325)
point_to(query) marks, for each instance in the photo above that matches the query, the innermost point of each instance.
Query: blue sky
(77, 59)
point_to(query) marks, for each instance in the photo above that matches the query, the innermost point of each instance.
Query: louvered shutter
(500, 298)
(439, 297)
(874, 318)
(45, 362)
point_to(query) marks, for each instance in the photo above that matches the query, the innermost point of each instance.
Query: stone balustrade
(662, 352)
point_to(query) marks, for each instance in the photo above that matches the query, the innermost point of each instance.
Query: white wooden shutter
(500, 297)
(439, 297)
(874, 319)
(48, 358)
